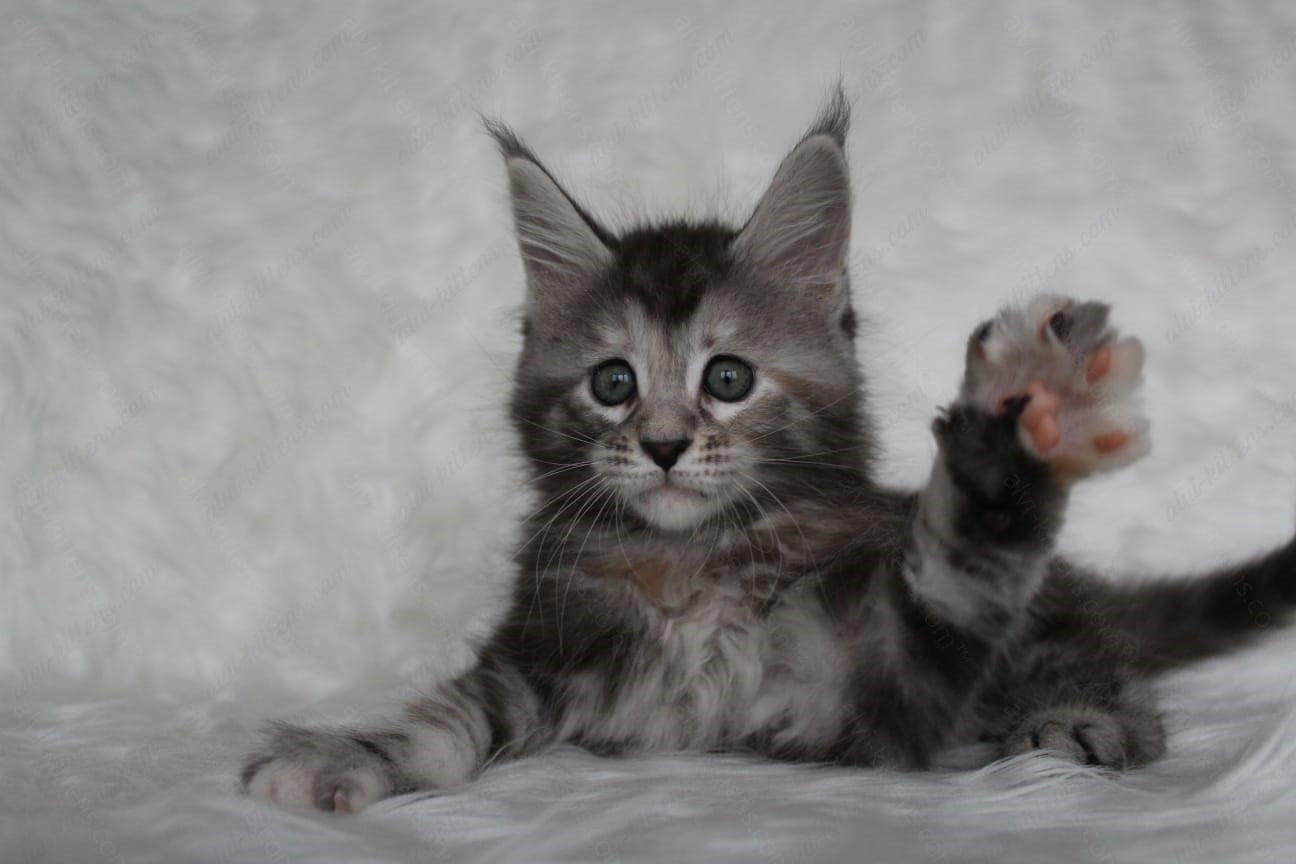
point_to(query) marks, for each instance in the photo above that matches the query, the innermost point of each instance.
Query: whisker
(746, 535)
(833, 465)
(770, 528)
(805, 543)
(567, 493)
(590, 501)
(855, 448)
(571, 577)
(542, 572)
(587, 498)
(580, 438)
(814, 413)
(570, 466)
(621, 504)
(572, 496)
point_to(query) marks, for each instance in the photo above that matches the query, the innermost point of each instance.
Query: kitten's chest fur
(712, 658)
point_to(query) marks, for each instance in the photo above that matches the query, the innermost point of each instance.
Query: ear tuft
(834, 119)
(506, 140)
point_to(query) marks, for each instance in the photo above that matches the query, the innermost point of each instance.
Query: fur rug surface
(258, 297)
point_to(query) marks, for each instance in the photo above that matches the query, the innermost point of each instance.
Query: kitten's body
(702, 642)
(715, 569)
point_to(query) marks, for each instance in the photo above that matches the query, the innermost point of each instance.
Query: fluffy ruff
(255, 293)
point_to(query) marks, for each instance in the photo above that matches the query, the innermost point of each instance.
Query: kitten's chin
(673, 508)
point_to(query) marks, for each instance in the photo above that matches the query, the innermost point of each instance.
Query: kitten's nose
(665, 453)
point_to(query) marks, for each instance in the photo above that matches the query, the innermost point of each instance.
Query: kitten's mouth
(668, 490)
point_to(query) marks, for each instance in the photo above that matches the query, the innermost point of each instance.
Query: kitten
(711, 565)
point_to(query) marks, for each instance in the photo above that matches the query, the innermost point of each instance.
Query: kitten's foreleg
(1046, 400)
(985, 523)
(442, 740)
(981, 535)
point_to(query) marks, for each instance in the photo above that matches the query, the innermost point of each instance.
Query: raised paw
(1059, 365)
(1010, 489)
(335, 771)
(1091, 736)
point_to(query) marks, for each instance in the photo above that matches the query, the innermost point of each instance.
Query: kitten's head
(690, 372)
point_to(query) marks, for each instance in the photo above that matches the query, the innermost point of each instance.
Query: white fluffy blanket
(256, 327)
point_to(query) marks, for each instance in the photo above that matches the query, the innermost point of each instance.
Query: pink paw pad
(1083, 416)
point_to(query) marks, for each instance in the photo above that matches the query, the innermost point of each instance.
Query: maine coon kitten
(712, 567)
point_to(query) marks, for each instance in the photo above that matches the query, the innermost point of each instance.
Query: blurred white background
(257, 290)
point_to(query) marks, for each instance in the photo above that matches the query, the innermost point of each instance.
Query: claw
(1060, 324)
(1015, 405)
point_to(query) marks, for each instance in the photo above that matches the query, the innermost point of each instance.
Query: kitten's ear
(800, 231)
(563, 249)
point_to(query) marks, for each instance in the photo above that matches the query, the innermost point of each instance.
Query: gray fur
(779, 600)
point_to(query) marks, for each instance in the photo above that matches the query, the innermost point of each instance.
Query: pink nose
(665, 453)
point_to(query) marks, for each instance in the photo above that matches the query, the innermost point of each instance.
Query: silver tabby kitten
(711, 565)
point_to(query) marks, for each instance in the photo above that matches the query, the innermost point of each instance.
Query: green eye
(613, 382)
(728, 379)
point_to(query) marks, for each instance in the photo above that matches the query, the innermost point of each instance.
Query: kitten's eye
(613, 382)
(728, 379)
